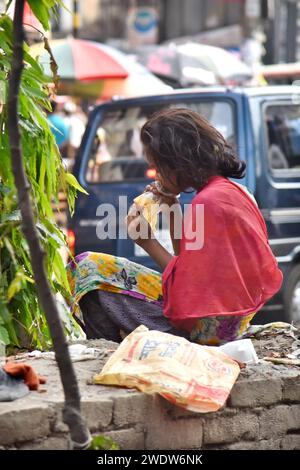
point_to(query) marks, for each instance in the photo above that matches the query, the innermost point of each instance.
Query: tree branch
(80, 436)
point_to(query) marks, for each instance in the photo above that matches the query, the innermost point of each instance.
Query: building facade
(225, 23)
(105, 20)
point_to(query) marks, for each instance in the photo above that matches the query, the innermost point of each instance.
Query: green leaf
(4, 312)
(15, 286)
(4, 337)
(103, 443)
(72, 181)
(19, 306)
(10, 327)
(49, 236)
(28, 279)
(41, 12)
(60, 271)
(10, 249)
(42, 174)
(3, 90)
(14, 216)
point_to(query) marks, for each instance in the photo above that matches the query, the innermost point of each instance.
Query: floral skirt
(103, 272)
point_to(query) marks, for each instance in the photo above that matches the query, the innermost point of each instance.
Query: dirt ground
(278, 343)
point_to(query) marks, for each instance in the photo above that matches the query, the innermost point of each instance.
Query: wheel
(292, 295)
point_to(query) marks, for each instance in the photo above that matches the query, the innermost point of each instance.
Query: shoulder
(221, 188)
(246, 191)
(215, 188)
(227, 199)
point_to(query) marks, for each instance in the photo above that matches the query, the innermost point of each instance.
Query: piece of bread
(148, 202)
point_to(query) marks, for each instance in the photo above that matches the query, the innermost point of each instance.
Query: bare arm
(175, 227)
(170, 203)
(140, 232)
(136, 224)
(157, 252)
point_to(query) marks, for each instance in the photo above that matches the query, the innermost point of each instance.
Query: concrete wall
(263, 412)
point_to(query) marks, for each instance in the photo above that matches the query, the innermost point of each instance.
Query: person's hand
(163, 197)
(138, 228)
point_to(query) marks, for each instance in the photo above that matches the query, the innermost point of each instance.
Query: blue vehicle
(263, 124)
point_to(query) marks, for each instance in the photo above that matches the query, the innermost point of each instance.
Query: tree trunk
(80, 436)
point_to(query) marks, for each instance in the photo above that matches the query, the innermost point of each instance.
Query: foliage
(20, 314)
(103, 443)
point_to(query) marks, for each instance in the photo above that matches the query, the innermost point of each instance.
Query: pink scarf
(234, 273)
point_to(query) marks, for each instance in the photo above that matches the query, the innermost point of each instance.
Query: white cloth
(76, 129)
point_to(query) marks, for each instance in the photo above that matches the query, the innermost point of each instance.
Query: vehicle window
(116, 153)
(283, 136)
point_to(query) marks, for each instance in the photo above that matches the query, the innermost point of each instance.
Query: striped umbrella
(139, 82)
(83, 66)
(95, 70)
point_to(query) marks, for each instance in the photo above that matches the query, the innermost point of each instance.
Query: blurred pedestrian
(76, 127)
(58, 127)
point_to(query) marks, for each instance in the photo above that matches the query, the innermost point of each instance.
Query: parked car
(263, 124)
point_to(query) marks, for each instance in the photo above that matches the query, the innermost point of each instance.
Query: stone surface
(262, 412)
(291, 389)
(55, 442)
(256, 445)
(27, 422)
(130, 409)
(128, 439)
(291, 442)
(98, 414)
(242, 426)
(273, 422)
(255, 393)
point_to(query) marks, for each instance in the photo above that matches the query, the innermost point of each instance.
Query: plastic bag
(11, 388)
(198, 378)
(242, 350)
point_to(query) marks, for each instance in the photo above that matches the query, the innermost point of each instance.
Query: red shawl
(234, 273)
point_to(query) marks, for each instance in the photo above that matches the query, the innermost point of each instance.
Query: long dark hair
(182, 141)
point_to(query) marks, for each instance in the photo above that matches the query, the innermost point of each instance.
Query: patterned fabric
(230, 268)
(221, 329)
(112, 316)
(92, 271)
(100, 271)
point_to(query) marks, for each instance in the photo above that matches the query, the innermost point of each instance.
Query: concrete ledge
(263, 412)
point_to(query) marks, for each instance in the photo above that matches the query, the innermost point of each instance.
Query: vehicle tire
(292, 295)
